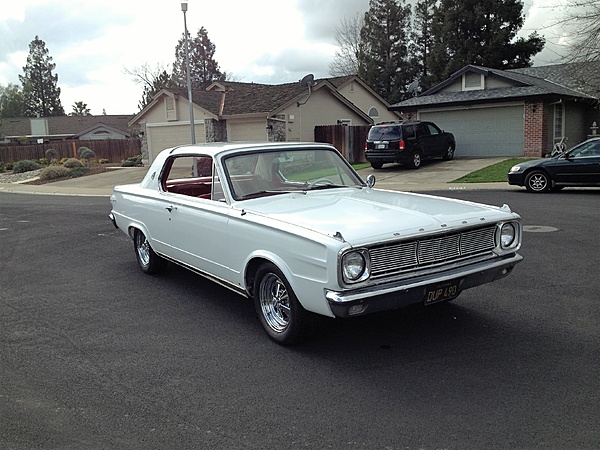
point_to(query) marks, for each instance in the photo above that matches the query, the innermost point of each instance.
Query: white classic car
(294, 227)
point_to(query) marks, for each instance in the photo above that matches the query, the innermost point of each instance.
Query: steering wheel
(318, 181)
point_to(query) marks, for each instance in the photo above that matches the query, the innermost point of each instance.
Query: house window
(373, 112)
(559, 121)
(170, 108)
(472, 81)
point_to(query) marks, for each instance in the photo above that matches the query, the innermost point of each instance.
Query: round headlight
(353, 266)
(507, 235)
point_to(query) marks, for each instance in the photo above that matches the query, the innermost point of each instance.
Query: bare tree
(581, 24)
(347, 37)
(152, 80)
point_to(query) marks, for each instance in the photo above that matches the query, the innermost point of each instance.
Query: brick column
(535, 129)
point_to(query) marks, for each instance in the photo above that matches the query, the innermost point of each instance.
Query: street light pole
(184, 8)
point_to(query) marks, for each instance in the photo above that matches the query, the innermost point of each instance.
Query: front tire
(538, 181)
(280, 313)
(148, 261)
(449, 153)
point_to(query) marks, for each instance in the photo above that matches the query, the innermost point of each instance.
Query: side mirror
(371, 181)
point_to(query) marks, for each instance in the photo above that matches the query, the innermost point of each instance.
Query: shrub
(8, 166)
(86, 153)
(1, 167)
(103, 160)
(54, 161)
(63, 160)
(132, 161)
(25, 166)
(51, 154)
(79, 171)
(43, 161)
(53, 172)
(71, 163)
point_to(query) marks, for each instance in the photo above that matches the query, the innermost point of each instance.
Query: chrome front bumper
(397, 294)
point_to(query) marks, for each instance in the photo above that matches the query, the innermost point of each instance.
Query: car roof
(402, 122)
(219, 148)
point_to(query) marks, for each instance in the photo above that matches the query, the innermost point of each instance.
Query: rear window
(384, 133)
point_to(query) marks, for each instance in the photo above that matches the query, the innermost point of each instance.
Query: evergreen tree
(203, 67)
(422, 41)
(40, 89)
(12, 102)
(480, 32)
(80, 109)
(383, 61)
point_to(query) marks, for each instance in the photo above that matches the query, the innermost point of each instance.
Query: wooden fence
(115, 150)
(349, 140)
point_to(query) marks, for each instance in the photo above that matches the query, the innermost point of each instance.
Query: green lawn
(491, 174)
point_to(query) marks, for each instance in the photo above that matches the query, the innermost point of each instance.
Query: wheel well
(131, 231)
(251, 269)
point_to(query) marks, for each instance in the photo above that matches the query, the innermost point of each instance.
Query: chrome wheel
(537, 181)
(142, 249)
(148, 261)
(280, 313)
(274, 303)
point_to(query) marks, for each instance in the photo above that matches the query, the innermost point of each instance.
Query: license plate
(380, 146)
(441, 292)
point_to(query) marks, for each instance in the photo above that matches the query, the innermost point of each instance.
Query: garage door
(166, 136)
(483, 132)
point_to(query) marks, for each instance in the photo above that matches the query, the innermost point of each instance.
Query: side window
(422, 130)
(433, 130)
(409, 132)
(587, 150)
(189, 175)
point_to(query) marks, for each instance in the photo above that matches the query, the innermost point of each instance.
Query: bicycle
(559, 148)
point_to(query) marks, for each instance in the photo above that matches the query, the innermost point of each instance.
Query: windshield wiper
(325, 186)
(261, 194)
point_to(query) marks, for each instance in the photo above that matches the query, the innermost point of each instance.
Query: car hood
(360, 216)
(538, 162)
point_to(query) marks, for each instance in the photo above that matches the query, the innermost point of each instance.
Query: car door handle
(170, 208)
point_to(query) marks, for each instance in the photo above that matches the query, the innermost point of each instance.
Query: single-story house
(44, 129)
(235, 111)
(517, 112)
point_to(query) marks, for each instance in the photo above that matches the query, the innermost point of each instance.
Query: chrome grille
(393, 259)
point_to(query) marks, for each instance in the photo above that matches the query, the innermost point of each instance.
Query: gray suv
(408, 142)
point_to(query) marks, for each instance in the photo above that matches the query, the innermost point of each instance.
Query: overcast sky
(262, 41)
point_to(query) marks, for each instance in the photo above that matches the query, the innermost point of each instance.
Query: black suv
(408, 142)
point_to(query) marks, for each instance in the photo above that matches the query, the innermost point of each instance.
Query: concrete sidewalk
(432, 176)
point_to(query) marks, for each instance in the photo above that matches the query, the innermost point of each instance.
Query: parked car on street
(408, 142)
(294, 227)
(579, 166)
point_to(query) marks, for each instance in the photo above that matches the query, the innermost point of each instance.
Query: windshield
(252, 175)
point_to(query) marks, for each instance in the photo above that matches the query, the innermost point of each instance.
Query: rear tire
(376, 165)
(415, 160)
(280, 313)
(538, 181)
(149, 262)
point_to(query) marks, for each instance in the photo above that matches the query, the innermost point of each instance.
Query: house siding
(320, 109)
(362, 98)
